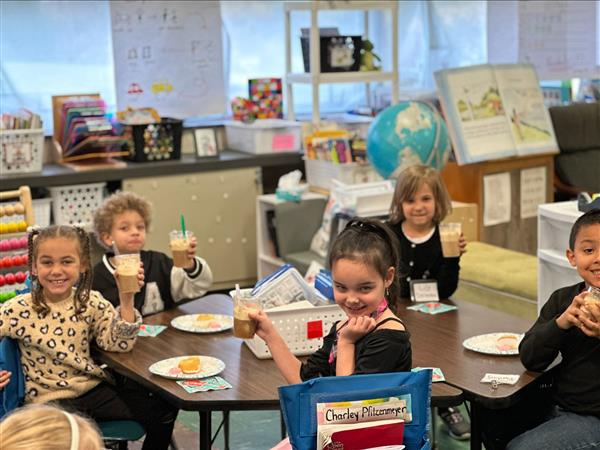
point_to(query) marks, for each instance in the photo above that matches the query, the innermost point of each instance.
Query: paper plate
(494, 343)
(203, 323)
(169, 368)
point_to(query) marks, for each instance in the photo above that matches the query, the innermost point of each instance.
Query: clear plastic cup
(449, 237)
(243, 326)
(128, 266)
(179, 244)
(593, 294)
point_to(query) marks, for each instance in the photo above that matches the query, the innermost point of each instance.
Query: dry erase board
(168, 55)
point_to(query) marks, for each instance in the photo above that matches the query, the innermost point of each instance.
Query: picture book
(495, 111)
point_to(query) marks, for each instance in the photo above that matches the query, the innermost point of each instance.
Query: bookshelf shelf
(315, 78)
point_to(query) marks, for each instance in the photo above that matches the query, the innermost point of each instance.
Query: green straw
(183, 226)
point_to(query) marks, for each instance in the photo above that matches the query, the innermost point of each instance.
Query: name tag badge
(424, 291)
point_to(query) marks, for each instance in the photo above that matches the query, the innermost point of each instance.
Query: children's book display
(83, 132)
(495, 111)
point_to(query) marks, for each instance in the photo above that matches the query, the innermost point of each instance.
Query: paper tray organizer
(302, 329)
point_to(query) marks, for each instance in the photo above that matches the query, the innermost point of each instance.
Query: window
(56, 48)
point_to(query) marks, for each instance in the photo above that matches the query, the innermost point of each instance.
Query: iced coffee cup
(243, 326)
(128, 267)
(593, 297)
(179, 244)
(449, 237)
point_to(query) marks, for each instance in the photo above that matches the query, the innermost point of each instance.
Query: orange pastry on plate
(507, 342)
(190, 365)
(201, 317)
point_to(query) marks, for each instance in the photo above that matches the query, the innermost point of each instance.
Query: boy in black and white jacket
(121, 222)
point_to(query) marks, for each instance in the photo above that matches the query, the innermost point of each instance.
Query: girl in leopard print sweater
(57, 323)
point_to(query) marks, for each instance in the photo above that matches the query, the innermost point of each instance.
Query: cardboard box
(466, 214)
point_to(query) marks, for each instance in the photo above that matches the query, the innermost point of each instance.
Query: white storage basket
(41, 211)
(22, 151)
(320, 173)
(264, 136)
(293, 326)
(75, 205)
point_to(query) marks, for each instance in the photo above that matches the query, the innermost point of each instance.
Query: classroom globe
(406, 134)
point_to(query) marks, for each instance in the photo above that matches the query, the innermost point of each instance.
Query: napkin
(151, 330)
(432, 307)
(204, 384)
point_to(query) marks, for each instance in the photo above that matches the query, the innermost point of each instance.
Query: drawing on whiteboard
(134, 88)
(161, 86)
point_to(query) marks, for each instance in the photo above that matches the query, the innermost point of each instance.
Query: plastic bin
(264, 136)
(75, 205)
(295, 326)
(320, 173)
(42, 211)
(22, 151)
(156, 141)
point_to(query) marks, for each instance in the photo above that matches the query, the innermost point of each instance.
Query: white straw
(115, 249)
(237, 290)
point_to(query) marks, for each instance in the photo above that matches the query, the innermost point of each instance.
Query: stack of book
(82, 130)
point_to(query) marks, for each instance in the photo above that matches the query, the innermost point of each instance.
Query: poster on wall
(533, 191)
(496, 199)
(168, 55)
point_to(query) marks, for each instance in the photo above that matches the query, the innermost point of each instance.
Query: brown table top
(437, 341)
(254, 380)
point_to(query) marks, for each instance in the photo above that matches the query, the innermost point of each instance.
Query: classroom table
(254, 381)
(437, 342)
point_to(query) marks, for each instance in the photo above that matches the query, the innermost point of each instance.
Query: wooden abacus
(14, 250)
(22, 207)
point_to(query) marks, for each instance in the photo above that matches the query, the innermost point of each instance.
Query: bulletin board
(169, 56)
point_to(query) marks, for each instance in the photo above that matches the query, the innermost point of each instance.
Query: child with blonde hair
(121, 224)
(420, 203)
(45, 427)
(57, 323)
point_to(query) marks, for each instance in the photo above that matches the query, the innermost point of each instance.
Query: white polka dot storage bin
(22, 151)
(75, 204)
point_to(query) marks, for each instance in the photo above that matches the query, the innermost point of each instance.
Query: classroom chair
(577, 130)
(117, 433)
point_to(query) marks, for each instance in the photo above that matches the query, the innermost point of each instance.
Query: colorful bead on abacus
(19, 208)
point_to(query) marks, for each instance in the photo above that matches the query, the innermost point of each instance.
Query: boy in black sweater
(569, 326)
(121, 222)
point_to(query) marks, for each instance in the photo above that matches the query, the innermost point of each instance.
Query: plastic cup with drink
(179, 243)
(128, 266)
(450, 236)
(243, 326)
(593, 297)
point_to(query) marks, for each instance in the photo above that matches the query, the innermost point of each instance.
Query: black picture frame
(205, 141)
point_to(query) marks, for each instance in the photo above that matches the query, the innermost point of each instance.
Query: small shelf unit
(315, 77)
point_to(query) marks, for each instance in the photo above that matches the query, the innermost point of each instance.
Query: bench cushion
(500, 269)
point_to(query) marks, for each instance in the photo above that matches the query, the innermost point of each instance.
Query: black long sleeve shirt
(426, 260)
(577, 377)
(380, 351)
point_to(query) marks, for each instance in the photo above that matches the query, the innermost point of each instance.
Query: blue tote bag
(299, 403)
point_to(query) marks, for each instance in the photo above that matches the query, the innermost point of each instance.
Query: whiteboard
(168, 55)
(560, 38)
